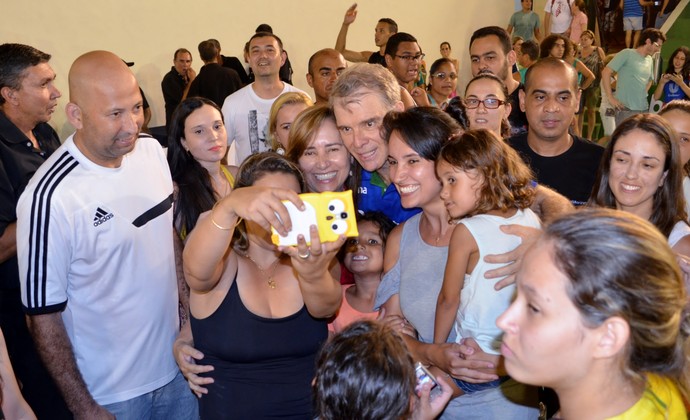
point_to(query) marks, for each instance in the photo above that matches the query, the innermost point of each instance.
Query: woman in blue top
(674, 82)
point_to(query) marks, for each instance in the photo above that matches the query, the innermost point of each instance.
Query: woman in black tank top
(257, 311)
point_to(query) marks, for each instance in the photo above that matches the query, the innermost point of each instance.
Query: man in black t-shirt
(214, 81)
(385, 28)
(561, 161)
(492, 52)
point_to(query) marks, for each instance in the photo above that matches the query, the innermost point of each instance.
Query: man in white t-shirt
(96, 258)
(557, 17)
(246, 111)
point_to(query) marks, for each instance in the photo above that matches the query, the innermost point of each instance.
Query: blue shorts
(469, 387)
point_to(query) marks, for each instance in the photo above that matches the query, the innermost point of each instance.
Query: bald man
(96, 258)
(324, 68)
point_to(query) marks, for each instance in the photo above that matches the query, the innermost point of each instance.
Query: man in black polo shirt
(28, 98)
(561, 161)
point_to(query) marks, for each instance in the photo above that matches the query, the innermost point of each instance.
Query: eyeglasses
(418, 57)
(442, 76)
(656, 44)
(489, 103)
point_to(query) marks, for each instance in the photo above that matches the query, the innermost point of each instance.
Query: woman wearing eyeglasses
(486, 104)
(442, 78)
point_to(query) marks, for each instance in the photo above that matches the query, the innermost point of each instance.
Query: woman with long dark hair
(675, 80)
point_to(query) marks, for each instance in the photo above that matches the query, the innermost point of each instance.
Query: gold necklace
(269, 278)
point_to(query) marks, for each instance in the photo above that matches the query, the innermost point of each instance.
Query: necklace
(226, 187)
(269, 278)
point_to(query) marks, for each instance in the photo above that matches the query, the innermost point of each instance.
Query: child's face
(365, 253)
(460, 192)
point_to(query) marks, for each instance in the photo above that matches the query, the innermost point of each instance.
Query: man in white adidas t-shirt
(246, 111)
(95, 251)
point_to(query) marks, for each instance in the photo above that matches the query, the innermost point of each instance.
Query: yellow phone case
(332, 212)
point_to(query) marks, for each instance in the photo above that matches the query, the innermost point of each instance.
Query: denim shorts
(469, 387)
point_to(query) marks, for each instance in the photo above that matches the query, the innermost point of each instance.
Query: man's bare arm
(349, 55)
(182, 287)
(8, 242)
(549, 204)
(53, 344)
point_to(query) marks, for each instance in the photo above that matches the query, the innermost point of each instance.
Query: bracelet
(214, 222)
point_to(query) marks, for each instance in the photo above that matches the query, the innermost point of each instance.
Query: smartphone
(424, 376)
(333, 213)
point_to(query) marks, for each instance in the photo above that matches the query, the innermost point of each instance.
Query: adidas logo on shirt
(101, 217)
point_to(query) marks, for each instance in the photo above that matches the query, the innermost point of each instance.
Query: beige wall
(148, 31)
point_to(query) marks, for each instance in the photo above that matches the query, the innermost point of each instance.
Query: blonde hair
(288, 98)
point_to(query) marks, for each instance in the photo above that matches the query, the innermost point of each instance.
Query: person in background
(675, 80)
(517, 47)
(324, 68)
(525, 23)
(384, 29)
(633, 13)
(633, 69)
(283, 113)
(579, 22)
(176, 82)
(487, 105)
(529, 56)
(592, 57)
(677, 114)
(443, 78)
(557, 17)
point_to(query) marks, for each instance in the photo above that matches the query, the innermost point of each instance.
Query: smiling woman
(641, 173)
(316, 146)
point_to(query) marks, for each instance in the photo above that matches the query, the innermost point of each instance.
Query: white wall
(148, 31)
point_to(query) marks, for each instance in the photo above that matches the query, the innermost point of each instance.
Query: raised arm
(353, 56)
(549, 204)
(207, 245)
(53, 344)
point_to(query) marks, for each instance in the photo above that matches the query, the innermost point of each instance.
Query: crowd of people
(495, 247)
